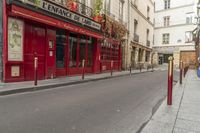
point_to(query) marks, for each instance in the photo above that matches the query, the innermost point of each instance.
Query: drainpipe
(128, 27)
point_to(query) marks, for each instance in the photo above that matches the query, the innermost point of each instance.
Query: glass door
(61, 40)
(82, 50)
(73, 47)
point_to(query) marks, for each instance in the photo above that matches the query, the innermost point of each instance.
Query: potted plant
(72, 5)
(97, 10)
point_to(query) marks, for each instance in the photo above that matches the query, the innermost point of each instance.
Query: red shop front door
(34, 43)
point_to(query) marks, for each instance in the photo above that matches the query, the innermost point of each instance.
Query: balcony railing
(136, 38)
(148, 43)
(84, 10)
(80, 7)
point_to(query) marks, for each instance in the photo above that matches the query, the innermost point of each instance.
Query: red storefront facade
(60, 38)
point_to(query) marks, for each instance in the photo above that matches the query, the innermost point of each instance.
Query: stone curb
(163, 120)
(55, 85)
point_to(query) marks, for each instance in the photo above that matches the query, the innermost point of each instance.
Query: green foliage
(37, 2)
(98, 7)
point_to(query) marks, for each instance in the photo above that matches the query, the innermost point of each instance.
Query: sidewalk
(184, 115)
(27, 86)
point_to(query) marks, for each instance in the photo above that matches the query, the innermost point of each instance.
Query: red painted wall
(39, 31)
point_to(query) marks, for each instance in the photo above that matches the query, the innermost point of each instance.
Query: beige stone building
(140, 37)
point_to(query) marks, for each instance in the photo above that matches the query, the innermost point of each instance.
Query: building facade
(141, 30)
(174, 26)
(62, 34)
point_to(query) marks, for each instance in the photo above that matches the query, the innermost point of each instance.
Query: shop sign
(15, 39)
(63, 12)
(15, 71)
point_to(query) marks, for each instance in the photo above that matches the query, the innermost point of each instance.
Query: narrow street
(118, 105)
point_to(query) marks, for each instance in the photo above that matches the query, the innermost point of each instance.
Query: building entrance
(34, 45)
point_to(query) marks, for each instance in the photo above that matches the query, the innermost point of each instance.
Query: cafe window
(73, 50)
(90, 51)
(82, 49)
(115, 50)
(60, 48)
(109, 51)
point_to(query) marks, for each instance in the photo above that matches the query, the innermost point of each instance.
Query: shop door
(50, 54)
(80, 48)
(34, 44)
(61, 41)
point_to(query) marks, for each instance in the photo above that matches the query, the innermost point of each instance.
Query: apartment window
(166, 4)
(82, 1)
(135, 26)
(166, 20)
(148, 42)
(148, 12)
(121, 8)
(107, 6)
(135, 36)
(92, 4)
(188, 36)
(189, 18)
(165, 38)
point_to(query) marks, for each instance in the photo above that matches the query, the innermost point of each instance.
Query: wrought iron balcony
(84, 10)
(148, 43)
(78, 7)
(136, 38)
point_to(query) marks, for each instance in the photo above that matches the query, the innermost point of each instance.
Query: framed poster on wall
(15, 39)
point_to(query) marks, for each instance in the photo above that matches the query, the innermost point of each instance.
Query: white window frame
(167, 4)
(165, 38)
(166, 20)
(188, 37)
(121, 9)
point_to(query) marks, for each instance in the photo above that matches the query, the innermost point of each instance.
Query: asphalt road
(118, 105)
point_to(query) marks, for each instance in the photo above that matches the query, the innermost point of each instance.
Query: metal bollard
(181, 72)
(83, 69)
(35, 70)
(184, 70)
(111, 68)
(100, 67)
(170, 81)
(130, 70)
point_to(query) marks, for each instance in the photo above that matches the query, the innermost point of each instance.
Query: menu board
(15, 39)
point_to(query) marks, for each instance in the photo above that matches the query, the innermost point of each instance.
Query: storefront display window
(90, 51)
(82, 51)
(60, 48)
(109, 51)
(73, 49)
